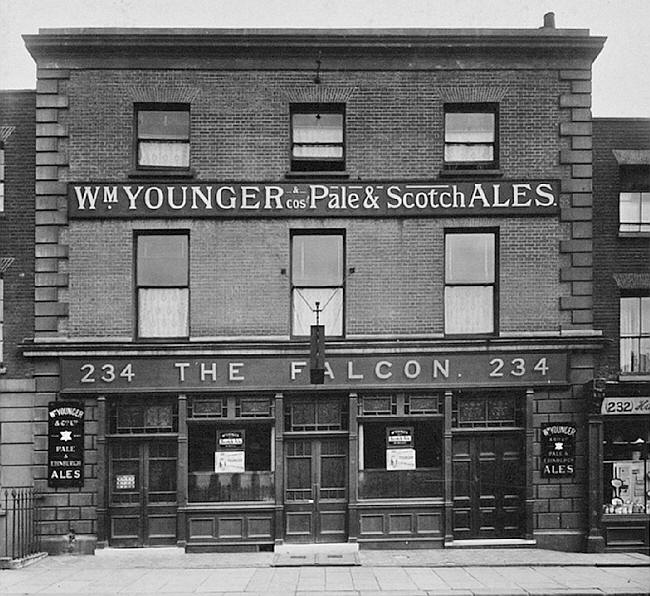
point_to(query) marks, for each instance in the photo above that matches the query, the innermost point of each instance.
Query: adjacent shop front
(622, 423)
(243, 452)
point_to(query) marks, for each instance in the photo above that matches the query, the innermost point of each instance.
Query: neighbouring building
(620, 414)
(17, 129)
(314, 286)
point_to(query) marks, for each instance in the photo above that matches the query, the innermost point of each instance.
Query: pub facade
(313, 286)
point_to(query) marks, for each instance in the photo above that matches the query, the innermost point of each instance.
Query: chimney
(549, 20)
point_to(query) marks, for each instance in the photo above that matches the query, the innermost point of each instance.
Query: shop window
(2, 311)
(2, 178)
(317, 137)
(401, 458)
(635, 334)
(163, 136)
(320, 414)
(471, 136)
(317, 261)
(162, 285)
(626, 478)
(143, 418)
(230, 462)
(470, 282)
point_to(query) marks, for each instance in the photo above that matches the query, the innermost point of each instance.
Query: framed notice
(229, 462)
(400, 459)
(558, 450)
(399, 437)
(65, 444)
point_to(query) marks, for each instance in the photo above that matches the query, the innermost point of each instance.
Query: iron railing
(19, 510)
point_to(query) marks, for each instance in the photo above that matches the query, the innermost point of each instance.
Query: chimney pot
(549, 20)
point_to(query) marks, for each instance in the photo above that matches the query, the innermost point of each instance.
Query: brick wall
(17, 226)
(240, 130)
(613, 255)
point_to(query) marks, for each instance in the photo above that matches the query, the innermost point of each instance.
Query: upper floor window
(2, 178)
(470, 282)
(163, 136)
(471, 136)
(634, 212)
(317, 137)
(162, 285)
(635, 334)
(317, 282)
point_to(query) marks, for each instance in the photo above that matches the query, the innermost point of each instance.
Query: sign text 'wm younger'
(400, 199)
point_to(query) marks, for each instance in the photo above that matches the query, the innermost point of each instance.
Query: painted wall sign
(625, 405)
(65, 421)
(558, 450)
(90, 200)
(430, 370)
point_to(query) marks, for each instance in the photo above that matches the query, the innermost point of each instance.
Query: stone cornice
(113, 42)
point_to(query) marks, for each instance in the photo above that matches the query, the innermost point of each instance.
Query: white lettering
(478, 194)
(249, 193)
(412, 369)
(87, 195)
(317, 192)
(234, 372)
(147, 197)
(212, 371)
(197, 193)
(132, 197)
(328, 371)
(181, 366)
(440, 367)
(379, 373)
(231, 198)
(519, 192)
(273, 193)
(351, 374)
(544, 191)
(170, 197)
(296, 368)
(497, 203)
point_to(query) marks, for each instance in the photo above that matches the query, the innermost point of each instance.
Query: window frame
(161, 107)
(472, 108)
(318, 165)
(494, 284)
(638, 336)
(137, 234)
(316, 232)
(642, 226)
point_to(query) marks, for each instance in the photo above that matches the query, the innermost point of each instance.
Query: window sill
(633, 377)
(471, 172)
(316, 174)
(634, 234)
(161, 173)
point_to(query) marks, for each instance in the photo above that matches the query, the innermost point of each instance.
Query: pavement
(443, 572)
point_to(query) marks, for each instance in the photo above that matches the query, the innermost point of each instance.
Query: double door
(315, 489)
(488, 485)
(142, 492)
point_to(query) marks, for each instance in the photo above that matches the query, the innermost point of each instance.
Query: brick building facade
(203, 198)
(621, 407)
(16, 294)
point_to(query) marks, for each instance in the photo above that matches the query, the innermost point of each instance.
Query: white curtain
(163, 312)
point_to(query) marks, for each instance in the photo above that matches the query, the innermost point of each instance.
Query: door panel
(316, 490)
(488, 486)
(142, 492)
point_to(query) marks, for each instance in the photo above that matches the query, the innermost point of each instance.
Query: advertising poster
(65, 445)
(558, 450)
(400, 454)
(229, 457)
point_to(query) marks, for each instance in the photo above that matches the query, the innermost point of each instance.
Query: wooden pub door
(488, 485)
(142, 492)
